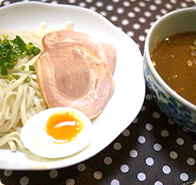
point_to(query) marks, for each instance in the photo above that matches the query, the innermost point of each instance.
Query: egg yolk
(64, 126)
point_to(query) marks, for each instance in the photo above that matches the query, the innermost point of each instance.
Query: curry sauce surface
(175, 61)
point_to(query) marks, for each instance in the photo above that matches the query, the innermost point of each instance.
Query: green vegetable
(31, 68)
(9, 77)
(27, 80)
(11, 50)
(23, 67)
(16, 77)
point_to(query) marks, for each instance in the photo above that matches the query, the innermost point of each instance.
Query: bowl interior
(178, 21)
(183, 20)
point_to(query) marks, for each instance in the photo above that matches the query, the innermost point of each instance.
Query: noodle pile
(19, 100)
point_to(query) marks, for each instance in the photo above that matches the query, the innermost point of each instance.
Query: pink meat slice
(73, 76)
(66, 38)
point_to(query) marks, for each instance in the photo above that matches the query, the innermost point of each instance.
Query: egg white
(36, 140)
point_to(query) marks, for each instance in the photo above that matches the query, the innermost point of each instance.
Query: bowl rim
(155, 74)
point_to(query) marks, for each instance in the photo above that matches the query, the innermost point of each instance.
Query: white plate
(128, 77)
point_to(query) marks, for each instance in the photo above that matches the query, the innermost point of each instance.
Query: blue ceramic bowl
(173, 105)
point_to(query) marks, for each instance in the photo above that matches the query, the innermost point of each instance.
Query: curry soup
(175, 61)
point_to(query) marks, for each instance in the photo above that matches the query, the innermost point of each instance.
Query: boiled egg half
(57, 132)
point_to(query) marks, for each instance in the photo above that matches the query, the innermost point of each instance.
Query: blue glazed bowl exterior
(171, 103)
(174, 109)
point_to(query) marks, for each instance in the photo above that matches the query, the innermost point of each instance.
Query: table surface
(153, 150)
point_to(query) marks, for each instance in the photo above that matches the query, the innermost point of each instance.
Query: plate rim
(52, 166)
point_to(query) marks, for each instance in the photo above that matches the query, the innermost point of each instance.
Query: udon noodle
(20, 100)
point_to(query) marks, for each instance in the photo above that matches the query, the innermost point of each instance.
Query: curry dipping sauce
(175, 60)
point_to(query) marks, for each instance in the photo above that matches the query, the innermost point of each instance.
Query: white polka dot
(126, 133)
(89, 1)
(54, 2)
(99, 4)
(117, 146)
(6, 2)
(164, 133)
(183, 4)
(136, 26)
(109, 7)
(141, 176)
(156, 115)
(94, 8)
(151, 23)
(147, 14)
(120, 10)
(141, 139)
(8, 173)
(131, 34)
(158, 183)
(115, 1)
(194, 147)
(149, 97)
(146, 30)
(157, 147)
(115, 182)
(166, 169)
(108, 160)
(124, 168)
(184, 176)
(103, 13)
(142, 4)
(98, 175)
(142, 39)
(153, 7)
(72, 1)
(53, 174)
(82, 4)
(148, 126)
(142, 20)
(114, 18)
(168, 6)
(81, 167)
(149, 161)
(180, 141)
(158, 1)
(173, 155)
(125, 22)
(163, 11)
(143, 108)
(70, 182)
(171, 122)
(131, 14)
(136, 119)
(158, 16)
(190, 161)
(24, 180)
(173, 1)
(126, 3)
(136, 9)
(133, 153)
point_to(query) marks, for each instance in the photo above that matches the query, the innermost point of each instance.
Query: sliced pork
(70, 38)
(74, 76)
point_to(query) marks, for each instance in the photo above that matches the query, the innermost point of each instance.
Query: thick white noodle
(19, 100)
